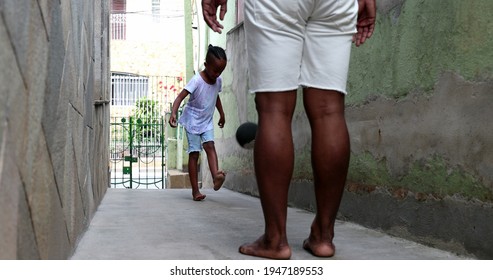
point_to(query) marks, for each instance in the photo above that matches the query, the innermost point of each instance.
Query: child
(198, 115)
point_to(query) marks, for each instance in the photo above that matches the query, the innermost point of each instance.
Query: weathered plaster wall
(422, 156)
(420, 93)
(54, 124)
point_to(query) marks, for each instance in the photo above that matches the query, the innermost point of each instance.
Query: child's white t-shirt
(197, 116)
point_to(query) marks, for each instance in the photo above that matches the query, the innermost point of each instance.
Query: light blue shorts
(292, 43)
(195, 141)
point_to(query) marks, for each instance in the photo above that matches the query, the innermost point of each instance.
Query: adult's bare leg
(218, 176)
(330, 161)
(193, 173)
(274, 160)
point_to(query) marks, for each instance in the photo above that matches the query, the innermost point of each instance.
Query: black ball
(245, 135)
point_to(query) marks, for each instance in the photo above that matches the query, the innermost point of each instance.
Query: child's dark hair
(215, 51)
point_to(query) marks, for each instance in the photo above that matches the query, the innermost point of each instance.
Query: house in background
(147, 72)
(147, 52)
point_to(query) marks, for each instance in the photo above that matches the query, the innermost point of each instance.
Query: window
(118, 20)
(126, 89)
(156, 10)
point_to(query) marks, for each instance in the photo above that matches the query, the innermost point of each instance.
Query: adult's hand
(209, 11)
(366, 21)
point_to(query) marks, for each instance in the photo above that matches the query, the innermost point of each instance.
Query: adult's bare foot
(322, 249)
(261, 248)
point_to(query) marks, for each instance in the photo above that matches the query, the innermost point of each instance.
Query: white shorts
(293, 43)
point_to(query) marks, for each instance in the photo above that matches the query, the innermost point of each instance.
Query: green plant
(145, 116)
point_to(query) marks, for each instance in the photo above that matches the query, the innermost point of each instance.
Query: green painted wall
(416, 42)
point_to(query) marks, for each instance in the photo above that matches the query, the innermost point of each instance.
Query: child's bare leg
(218, 176)
(193, 159)
(274, 161)
(330, 160)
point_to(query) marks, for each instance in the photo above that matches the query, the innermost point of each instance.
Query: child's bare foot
(198, 197)
(260, 248)
(218, 180)
(323, 249)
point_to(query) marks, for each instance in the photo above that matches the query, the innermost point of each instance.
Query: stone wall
(418, 112)
(54, 124)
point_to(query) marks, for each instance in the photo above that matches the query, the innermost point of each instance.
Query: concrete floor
(169, 225)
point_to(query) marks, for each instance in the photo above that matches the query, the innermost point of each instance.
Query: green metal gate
(138, 153)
